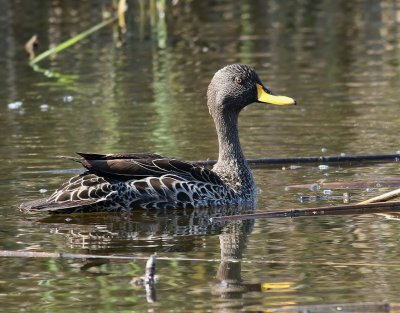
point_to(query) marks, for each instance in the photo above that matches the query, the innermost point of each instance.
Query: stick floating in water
(320, 159)
(350, 209)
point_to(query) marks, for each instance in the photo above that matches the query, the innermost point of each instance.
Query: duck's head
(236, 86)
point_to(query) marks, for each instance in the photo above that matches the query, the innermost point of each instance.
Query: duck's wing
(142, 165)
(112, 156)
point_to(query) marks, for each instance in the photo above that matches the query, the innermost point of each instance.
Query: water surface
(145, 91)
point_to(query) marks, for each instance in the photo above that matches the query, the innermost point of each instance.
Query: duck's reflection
(233, 239)
(162, 231)
(141, 231)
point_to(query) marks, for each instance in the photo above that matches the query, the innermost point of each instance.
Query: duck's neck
(232, 165)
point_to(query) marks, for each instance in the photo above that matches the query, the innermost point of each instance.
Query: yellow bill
(264, 96)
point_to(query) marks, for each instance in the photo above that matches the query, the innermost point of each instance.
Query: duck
(119, 182)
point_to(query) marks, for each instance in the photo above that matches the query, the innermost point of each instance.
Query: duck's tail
(79, 160)
(42, 205)
(34, 205)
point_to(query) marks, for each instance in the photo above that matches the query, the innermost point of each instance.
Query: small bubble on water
(259, 191)
(15, 105)
(68, 219)
(398, 152)
(44, 107)
(68, 99)
(324, 150)
(323, 167)
(327, 192)
(43, 190)
(287, 188)
(343, 154)
(368, 190)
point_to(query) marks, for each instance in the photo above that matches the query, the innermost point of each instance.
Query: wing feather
(142, 165)
(112, 156)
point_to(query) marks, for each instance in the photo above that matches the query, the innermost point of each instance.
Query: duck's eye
(238, 80)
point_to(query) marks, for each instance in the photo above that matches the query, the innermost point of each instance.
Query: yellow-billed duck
(115, 182)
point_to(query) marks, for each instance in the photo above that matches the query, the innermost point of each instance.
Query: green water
(146, 91)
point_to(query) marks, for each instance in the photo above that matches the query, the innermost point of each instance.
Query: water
(145, 91)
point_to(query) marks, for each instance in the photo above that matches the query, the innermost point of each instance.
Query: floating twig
(376, 183)
(350, 209)
(281, 161)
(320, 159)
(383, 198)
(343, 307)
(345, 197)
(36, 254)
